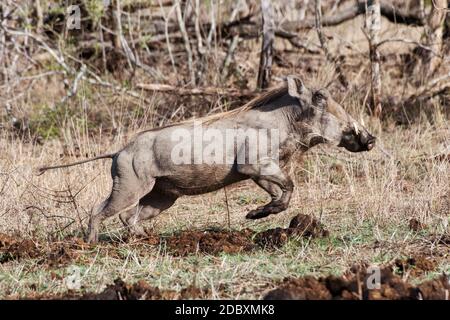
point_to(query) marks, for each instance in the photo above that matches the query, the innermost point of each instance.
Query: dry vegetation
(384, 207)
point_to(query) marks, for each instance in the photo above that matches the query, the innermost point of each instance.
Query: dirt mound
(357, 285)
(54, 254)
(234, 241)
(213, 241)
(120, 290)
(415, 266)
(123, 291)
(415, 225)
(300, 226)
(12, 248)
(436, 289)
(307, 288)
(210, 242)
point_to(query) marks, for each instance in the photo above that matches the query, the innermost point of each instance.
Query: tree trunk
(115, 23)
(373, 26)
(324, 44)
(266, 57)
(434, 36)
(187, 44)
(39, 16)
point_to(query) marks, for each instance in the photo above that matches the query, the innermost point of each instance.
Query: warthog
(157, 166)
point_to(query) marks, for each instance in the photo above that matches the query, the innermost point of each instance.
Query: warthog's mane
(256, 102)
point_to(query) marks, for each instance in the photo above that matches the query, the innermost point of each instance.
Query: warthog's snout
(367, 141)
(357, 140)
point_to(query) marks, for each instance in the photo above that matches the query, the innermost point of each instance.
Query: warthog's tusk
(355, 127)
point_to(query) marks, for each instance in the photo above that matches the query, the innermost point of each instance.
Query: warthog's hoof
(138, 231)
(271, 208)
(257, 214)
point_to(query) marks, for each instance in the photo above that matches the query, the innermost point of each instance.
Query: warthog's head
(328, 121)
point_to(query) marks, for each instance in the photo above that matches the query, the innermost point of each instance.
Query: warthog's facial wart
(337, 127)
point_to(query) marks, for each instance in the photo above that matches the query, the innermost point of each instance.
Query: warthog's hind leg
(123, 197)
(128, 219)
(114, 204)
(149, 207)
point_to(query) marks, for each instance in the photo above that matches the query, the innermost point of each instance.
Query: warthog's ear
(295, 86)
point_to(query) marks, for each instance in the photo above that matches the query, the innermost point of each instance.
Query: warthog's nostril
(370, 143)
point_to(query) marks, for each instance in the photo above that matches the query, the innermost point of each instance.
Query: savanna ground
(388, 207)
(366, 202)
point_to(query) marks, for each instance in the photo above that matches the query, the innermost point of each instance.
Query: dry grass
(366, 201)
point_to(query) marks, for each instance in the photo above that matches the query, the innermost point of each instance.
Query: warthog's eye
(320, 97)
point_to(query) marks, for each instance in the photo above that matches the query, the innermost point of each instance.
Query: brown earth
(351, 286)
(217, 241)
(415, 266)
(12, 248)
(210, 242)
(120, 290)
(416, 225)
(354, 287)
(213, 241)
(301, 226)
(53, 254)
(143, 291)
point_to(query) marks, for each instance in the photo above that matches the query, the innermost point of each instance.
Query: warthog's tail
(41, 170)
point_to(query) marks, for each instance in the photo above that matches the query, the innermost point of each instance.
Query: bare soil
(353, 286)
(12, 248)
(210, 241)
(350, 286)
(416, 225)
(415, 266)
(121, 290)
(232, 241)
(54, 254)
(143, 291)
(300, 226)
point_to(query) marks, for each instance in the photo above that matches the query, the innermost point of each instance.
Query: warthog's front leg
(276, 183)
(279, 190)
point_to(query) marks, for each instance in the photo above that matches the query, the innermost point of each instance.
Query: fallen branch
(429, 90)
(387, 10)
(295, 41)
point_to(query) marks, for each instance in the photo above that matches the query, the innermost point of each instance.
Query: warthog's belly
(180, 187)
